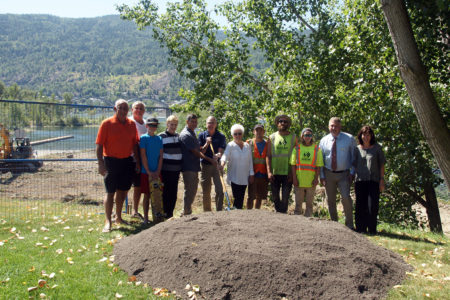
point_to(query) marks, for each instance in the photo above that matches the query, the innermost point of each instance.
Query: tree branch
(417, 198)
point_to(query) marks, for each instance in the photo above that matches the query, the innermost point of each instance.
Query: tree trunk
(415, 77)
(434, 218)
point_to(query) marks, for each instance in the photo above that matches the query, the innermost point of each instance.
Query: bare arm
(269, 160)
(199, 154)
(145, 161)
(100, 160)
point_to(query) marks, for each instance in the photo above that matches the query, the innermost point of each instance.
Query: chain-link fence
(47, 158)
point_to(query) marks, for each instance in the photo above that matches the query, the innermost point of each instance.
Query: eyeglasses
(283, 121)
(152, 125)
(138, 108)
(237, 133)
(307, 135)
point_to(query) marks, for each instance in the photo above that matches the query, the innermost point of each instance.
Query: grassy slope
(34, 247)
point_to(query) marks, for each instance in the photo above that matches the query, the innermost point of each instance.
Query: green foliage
(102, 57)
(321, 59)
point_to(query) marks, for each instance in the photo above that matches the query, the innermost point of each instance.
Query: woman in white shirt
(238, 156)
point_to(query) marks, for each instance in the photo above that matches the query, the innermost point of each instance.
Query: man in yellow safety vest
(306, 161)
(280, 175)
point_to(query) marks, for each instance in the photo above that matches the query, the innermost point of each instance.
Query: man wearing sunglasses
(280, 175)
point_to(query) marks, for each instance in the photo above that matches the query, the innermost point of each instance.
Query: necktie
(333, 155)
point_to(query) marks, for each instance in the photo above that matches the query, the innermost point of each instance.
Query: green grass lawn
(64, 255)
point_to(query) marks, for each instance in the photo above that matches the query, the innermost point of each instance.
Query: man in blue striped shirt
(338, 172)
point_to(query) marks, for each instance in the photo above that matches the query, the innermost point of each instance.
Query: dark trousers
(367, 204)
(238, 194)
(170, 189)
(281, 182)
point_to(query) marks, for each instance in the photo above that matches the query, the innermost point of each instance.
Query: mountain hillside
(101, 57)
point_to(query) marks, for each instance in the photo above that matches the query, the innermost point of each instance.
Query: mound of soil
(254, 254)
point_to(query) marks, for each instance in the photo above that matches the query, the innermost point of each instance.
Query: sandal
(137, 216)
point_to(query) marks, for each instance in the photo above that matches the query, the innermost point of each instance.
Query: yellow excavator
(22, 150)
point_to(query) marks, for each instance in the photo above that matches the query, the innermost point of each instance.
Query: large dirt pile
(260, 255)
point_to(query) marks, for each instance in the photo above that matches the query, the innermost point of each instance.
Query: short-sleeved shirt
(117, 139)
(189, 142)
(218, 141)
(368, 163)
(152, 145)
(306, 177)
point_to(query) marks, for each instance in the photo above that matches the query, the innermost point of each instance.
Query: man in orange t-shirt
(117, 139)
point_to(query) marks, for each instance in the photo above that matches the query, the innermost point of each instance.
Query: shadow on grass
(134, 227)
(408, 237)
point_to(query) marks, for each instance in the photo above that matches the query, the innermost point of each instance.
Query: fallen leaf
(33, 288)
(102, 259)
(66, 228)
(44, 228)
(33, 230)
(1, 243)
(42, 296)
(51, 275)
(32, 269)
(188, 287)
(115, 269)
(12, 230)
(196, 288)
(137, 283)
(39, 244)
(397, 286)
(132, 278)
(41, 282)
(118, 296)
(59, 251)
(120, 282)
(191, 293)
(54, 286)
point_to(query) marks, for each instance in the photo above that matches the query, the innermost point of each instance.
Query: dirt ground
(79, 182)
(257, 254)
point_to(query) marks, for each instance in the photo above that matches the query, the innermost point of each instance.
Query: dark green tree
(320, 60)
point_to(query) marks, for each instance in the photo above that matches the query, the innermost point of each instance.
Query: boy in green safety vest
(306, 161)
(280, 175)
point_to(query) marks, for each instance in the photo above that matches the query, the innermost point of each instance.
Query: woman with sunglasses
(306, 160)
(238, 157)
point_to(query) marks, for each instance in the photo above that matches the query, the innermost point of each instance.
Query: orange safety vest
(306, 167)
(259, 160)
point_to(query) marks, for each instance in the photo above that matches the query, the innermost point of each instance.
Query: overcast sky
(74, 8)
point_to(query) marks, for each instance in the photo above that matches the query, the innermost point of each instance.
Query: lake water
(83, 138)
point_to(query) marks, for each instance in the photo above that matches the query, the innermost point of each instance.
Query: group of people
(129, 152)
